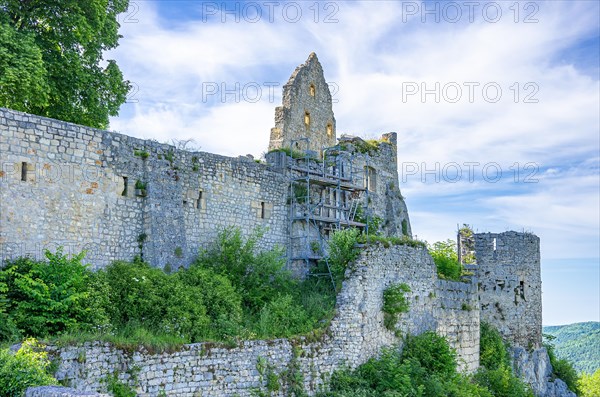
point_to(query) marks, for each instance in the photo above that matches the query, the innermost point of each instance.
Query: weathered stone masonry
(355, 334)
(64, 184)
(510, 285)
(117, 197)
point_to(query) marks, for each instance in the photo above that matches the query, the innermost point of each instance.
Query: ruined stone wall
(63, 184)
(355, 334)
(510, 286)
(457, 314)
(306, 110)
(381, 167)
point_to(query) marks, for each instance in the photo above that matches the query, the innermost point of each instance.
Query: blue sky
(496, 106)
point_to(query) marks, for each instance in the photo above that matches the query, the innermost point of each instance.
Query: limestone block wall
(74, 186)
(386, 201)
(510, 286)
(355, 334)
(457, 314)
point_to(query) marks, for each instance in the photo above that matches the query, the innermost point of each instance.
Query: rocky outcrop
(535, 369)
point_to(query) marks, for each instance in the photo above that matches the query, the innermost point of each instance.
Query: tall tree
(51, 59)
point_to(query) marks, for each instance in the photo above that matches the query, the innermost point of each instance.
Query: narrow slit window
(494, 244)
(262, 210)
(125, 186)
(24, 167)
(311, 89)
(329, 130)
(199, 201)
(306, 119)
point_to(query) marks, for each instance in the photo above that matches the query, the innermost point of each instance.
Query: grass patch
(390, 241)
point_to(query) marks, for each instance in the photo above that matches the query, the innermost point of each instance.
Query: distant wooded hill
(578, 343)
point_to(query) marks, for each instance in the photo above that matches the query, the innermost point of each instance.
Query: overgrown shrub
(389, 241)
(342, 251)
(26, 368)
(258, 277)
(431, 352)
(394, 303)
(426, 367)
(50, 297)
(284, 318)
(140, 295)
(8, 329)
(589, 385)
(232, 292)
(496, 373)
(223, 303)
(118, 388)
(562, 368)
(493, 352)
(446, 259)
(502, 382)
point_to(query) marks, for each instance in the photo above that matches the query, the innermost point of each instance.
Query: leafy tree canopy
(51, 59)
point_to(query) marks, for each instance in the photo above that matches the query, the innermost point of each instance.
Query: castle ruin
(117, 197)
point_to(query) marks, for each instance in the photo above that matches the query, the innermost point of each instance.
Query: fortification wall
(457, 314)
(385, 198)
(355, 334)
(510, 285)
(67, 185)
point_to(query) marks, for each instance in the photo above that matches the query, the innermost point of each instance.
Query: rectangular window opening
(199, 201)
(262, 210)
(24, 167)
(494, 244)
(125, 186)
(370, 179)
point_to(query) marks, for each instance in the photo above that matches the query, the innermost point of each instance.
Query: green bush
(495, 372)
(26, 368)
(140, 295)
(8, 328)
(232, 292)
(258, 277)
(502, 382)
(394, 303)
(118, 388)
(493, 352)
(389, 241)
(563, 369)
(342, 251)
(50, 297)
(284, 318)
(223, 303)
(431, 352)
(589, 385)
(446, 259)
(426, 368)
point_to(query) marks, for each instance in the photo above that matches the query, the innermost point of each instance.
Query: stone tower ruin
(306, 111)
(510, 285)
